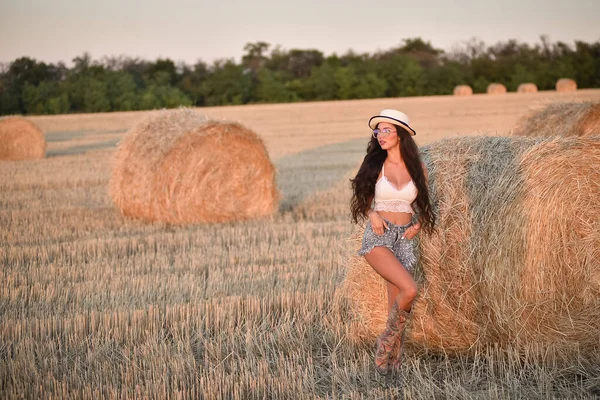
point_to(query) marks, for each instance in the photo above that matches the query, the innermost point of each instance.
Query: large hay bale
(566, 85)
(515, 260)
(527, 88)
(21, 139)
(177, 167)
(463, 90)
(561, 119)
(496, 88)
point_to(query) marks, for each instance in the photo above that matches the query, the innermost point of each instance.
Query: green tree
(443, 78)
(94, 96)
(520, 75)
(21, 72)
(403, 75)
(255, 58)
(296, 63)
(227, 83)
(321, 84)
(272, 89)
(121, 91)
(191, 82)
(45, 98)
(162, 72)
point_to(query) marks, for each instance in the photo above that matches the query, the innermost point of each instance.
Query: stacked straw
(566, 85)
(496, 88)
(561, 119)
(178, 167)
(527, 88)
(515, 258)
(21, 139)
(462, 90)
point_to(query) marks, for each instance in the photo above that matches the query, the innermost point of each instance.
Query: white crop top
(388, 198)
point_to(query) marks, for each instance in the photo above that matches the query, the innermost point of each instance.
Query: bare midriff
(398, 218)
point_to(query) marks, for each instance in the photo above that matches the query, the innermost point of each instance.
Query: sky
(188, 31)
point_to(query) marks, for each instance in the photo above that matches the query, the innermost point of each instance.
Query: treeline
(271, 76)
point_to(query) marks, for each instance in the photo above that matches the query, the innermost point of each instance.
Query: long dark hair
(363, 185)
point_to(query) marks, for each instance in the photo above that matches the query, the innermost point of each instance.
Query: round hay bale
(527, 88)
(561, 119)
(179, 168)
(566, 85)
(515, 260)
(496, 88)
(463, 90)
(21, 139)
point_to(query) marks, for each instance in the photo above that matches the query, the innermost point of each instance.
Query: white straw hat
(393, 117)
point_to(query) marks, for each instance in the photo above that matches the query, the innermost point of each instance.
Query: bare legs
(402, 291)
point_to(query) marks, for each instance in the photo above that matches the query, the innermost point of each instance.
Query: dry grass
(94, 305)
(20, 139)
(561, 119)
(510, 264)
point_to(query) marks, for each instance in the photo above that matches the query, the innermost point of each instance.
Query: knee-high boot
(388, 340)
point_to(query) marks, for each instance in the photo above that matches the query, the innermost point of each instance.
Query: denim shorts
(403, 249)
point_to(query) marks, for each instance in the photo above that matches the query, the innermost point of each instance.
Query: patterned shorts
(403, 249)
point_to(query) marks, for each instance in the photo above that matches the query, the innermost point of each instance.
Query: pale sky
(185, 30)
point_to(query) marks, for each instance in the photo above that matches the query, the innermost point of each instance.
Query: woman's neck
(394, 156)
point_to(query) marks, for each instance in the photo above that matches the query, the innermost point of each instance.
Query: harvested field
(94, 304)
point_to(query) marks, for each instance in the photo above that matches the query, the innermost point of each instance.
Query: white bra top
(388, 198)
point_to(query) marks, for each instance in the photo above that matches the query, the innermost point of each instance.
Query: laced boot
(388, 338)
(396, 354)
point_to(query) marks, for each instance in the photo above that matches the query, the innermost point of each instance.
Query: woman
(392, 179)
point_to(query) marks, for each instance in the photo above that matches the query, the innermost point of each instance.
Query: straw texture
(463, 90)
(514, 260)
(178, 167)
(20, 139)
(527, 88)
(566, 85)
(561, 119)
(496, 88)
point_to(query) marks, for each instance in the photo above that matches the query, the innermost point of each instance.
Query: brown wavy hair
(363, 184)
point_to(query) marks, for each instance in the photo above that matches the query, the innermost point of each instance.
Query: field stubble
(94, 304)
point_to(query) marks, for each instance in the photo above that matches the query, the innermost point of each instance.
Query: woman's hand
(411, 231)
(378, 224)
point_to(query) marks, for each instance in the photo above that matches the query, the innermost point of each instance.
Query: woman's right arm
(378, 224)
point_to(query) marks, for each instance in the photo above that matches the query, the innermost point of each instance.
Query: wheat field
(95, 305)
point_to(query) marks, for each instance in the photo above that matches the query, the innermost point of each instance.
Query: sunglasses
(382, 132)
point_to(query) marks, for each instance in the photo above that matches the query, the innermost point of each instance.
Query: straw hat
(394, 117)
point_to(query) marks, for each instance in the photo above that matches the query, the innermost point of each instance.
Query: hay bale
(496, 88)
(527, 88)
(21, 139)
(515, 261)
(463, 90)
(566, 85)
(561, 119)
(177, 167)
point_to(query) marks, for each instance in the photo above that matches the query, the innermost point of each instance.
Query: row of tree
(415, 68)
